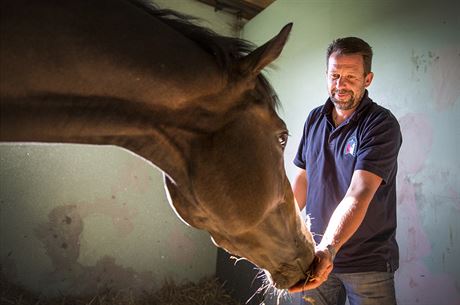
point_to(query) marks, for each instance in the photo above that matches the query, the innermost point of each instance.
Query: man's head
(352, 45)
(349, 62)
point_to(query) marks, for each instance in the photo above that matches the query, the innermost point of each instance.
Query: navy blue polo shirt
(368, 140)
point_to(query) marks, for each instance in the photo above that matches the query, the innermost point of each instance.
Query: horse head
(238, 189)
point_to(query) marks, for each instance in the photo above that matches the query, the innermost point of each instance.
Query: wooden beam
(245, 8)
(260, 3)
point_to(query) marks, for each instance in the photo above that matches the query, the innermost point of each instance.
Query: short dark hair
(352, 45)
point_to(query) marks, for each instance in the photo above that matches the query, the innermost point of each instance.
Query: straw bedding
(208, 291)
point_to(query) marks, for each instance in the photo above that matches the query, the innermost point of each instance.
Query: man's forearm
(350, 212)
(299, 187)
(344, 222)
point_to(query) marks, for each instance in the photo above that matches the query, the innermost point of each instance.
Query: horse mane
(226, 50)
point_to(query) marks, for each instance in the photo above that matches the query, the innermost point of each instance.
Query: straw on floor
(208, 291)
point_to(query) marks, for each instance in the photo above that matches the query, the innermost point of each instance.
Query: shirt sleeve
(379, 146)
(300, 157)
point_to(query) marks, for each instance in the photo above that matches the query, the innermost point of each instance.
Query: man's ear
(368, 79)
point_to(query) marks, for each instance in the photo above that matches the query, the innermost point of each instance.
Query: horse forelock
(226, 50)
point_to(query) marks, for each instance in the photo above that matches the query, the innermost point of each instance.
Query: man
(347, 182)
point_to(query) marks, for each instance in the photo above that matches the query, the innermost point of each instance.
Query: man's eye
(334, 76)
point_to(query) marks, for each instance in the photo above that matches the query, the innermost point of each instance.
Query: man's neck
(339, 115)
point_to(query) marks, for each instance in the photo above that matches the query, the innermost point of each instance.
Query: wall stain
(422, 61)
(60, 236)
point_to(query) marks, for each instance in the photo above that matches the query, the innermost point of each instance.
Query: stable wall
(417, 76)
(76, 218)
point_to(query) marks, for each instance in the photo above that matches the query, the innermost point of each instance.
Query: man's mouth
(342, 94)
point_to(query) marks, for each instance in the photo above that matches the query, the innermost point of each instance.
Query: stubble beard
(351, 103)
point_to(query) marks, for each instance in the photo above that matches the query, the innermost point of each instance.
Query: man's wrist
(332, 251)
(327, 247)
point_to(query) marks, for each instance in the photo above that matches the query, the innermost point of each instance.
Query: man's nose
(341, 82)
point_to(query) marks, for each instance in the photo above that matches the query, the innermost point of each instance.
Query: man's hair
(352, 45)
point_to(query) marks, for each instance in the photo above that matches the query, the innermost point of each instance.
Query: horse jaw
(285, 261)
(247, 204)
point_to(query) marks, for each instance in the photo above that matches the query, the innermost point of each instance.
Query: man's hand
(322, 266)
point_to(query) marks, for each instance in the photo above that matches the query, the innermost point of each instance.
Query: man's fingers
(313, 283)
(321, 270)
(324, 273)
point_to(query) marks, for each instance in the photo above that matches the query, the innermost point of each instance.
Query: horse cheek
(229, 184)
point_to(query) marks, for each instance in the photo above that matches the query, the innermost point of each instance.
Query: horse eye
(282, 139)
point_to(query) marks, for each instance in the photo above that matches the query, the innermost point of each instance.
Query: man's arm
(344, 222)
(299, 187)
(350, 213)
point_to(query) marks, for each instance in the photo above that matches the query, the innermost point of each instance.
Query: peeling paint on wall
(422, 61)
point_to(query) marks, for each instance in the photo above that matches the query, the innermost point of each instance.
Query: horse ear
(258, 59)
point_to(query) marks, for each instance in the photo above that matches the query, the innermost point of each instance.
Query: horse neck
(99, 121)
(151, 92)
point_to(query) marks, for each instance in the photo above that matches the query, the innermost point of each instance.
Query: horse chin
(282, 281)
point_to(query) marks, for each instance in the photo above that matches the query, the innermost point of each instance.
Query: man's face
(346, 81)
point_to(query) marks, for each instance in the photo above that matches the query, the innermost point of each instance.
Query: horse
(192, 102)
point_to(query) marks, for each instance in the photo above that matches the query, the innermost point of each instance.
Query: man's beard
(348, 104)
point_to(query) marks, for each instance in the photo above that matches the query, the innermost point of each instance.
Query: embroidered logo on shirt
(351, 146)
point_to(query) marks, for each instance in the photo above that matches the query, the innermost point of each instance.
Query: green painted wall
(77, 218)
(417, 76)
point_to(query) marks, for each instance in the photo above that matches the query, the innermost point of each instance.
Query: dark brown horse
(119, 72)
